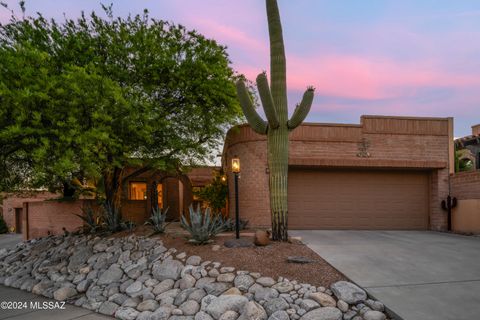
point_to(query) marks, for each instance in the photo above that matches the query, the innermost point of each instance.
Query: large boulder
(113, 274)
(108, 308)
(224, 303)
(348, 292)
(275, 304)
(323, 299)
(64, 293)
(168, 269)
(126, 313)
(253, 311)
(243, 282)
(326, 313)
(216, 288)
(79, 258)
(374, 315)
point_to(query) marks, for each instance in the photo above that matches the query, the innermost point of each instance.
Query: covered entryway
(357, 199)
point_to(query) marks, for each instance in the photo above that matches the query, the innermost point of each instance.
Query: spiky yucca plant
(90, 219)
(202, 226)
(112, 219)
(157, 220)
(277, 126)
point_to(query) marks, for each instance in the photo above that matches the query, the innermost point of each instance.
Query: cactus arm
(267, 100)
(256, 122)
(278, 76)
(301, 111)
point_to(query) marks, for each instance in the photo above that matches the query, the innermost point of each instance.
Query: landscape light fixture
(236, 171)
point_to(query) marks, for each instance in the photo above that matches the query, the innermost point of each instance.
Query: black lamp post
(236, 171)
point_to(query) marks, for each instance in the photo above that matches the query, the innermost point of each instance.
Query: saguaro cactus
(277, 126)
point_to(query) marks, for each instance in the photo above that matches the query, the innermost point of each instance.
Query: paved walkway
(417, 275)
(69, 313)
(9, 240)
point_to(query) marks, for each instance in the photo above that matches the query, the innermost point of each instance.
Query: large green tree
(85, 98)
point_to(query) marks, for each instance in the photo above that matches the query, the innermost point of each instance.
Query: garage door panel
(333, 199)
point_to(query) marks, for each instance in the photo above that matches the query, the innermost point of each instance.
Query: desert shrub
(202, 226)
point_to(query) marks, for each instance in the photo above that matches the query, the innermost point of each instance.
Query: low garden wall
(41, 218)
(12, 206)
(466, 215)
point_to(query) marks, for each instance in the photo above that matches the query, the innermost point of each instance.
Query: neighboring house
(384, 173)
(466, 185)
(39, 214)
(468, 148)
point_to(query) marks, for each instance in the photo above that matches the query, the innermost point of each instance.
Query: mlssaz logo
(47, 305)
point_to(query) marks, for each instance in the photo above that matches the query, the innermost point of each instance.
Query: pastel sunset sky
(386, 57)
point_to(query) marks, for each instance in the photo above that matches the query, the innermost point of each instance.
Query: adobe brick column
(25, 225)
(439, 180)
(254, 200)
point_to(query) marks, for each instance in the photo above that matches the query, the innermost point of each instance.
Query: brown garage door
(330, 199)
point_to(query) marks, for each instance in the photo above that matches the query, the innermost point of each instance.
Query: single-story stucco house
(384, 173)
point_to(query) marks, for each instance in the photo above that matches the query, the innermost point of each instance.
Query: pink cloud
(363, 78)
(230, 35)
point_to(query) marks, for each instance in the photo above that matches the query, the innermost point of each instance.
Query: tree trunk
(112, 180)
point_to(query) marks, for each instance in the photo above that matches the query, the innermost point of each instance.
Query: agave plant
(202, 226)
(112, 219)
(157, 220)
(128, 225)
(90, 219)
(230, 224)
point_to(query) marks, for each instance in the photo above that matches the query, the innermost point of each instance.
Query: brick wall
(11, 202)
(42, 217)
(391, 142)
(466, 185)
(466, 215)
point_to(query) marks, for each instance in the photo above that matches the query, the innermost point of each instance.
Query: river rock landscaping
(135, 277)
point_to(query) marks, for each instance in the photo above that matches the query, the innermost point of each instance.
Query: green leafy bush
(215, 194)
(202, 226)
(3, 225)
(157, 220)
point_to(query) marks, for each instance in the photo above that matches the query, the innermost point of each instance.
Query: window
(160, 195)
(138, 191)
(196, 198)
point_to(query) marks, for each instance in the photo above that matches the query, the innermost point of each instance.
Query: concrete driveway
(419, 275)
(9, 240)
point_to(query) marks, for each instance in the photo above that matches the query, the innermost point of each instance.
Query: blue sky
(417, 58)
